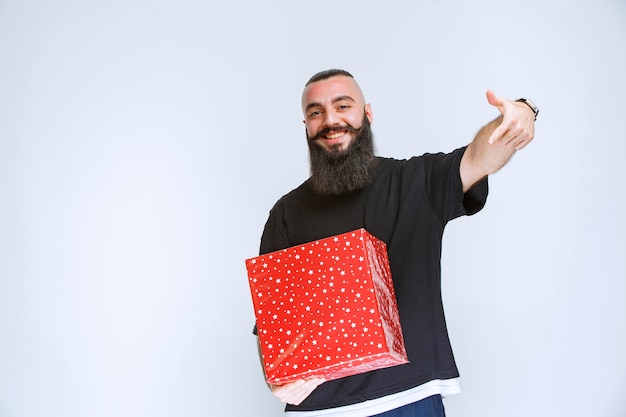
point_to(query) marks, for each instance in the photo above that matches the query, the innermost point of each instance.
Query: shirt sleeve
(274, 236)
(275, 231)
(445, 189)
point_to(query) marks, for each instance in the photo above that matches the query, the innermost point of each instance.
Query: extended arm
(497, 141)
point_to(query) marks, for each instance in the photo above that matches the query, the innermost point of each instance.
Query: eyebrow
(335, 100)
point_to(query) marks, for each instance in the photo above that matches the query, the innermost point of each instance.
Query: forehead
(325, 91)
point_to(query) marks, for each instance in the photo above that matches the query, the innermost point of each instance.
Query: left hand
(297, 391)
(517, 128)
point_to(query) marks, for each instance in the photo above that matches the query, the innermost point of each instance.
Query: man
(406, 204)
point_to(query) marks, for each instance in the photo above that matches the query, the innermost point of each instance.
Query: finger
(520, 135)
(521, 146)
(304, 391)
(495, 136)
(494, 100)
(284, 392)
(522, 143)
(518, 140)
(302, 394)
(297, 391)
(500, 132)
(512, 139)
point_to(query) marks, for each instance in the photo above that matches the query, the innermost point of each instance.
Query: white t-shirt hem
(444, 387)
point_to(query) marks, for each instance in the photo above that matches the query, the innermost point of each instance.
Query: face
(338, 172)
(333, 112)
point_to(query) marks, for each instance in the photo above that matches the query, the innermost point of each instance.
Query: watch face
(530, 104)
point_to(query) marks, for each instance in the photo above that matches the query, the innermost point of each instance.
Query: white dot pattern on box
(326, 309)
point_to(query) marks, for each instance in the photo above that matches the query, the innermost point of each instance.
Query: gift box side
(344, 369)
(385, 293)
(262, 278)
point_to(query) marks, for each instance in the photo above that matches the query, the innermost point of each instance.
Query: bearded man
(404, 203)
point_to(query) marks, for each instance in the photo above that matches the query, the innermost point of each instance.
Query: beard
(338, 171)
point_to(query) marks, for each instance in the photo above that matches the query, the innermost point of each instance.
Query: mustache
(329, 129)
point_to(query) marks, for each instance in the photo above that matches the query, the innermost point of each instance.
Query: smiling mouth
(334, 135)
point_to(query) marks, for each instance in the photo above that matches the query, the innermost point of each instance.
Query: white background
(142, 144)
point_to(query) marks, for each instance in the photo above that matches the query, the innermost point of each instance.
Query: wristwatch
(530, 104)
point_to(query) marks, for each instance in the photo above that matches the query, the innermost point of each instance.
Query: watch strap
(530, 104)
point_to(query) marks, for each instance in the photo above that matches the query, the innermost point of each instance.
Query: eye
(344, 107)
(314, 113)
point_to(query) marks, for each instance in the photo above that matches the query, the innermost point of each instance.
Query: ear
(369, 113)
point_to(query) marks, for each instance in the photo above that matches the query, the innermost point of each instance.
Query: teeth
(334, 135)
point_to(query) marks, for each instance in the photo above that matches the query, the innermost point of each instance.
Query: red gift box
(326, 309)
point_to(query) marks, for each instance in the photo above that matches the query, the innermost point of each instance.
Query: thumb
(494, 100)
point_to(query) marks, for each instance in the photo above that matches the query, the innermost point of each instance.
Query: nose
(331, 118)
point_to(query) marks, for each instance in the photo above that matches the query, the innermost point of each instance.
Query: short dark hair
(324, 75)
